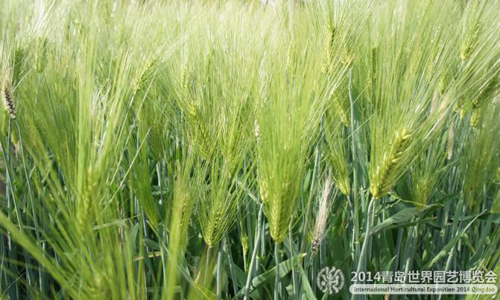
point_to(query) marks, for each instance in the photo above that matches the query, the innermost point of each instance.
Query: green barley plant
(292, 98)
(401, 126)
(429, 169)
(479, 166)
(336, 151)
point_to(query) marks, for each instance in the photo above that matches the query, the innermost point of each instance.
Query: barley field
(246, 149)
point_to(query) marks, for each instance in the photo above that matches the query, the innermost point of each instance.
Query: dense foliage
(232, 149)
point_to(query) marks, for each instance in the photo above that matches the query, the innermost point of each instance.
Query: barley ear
(390, 167)
(8, 98)
(322, 216)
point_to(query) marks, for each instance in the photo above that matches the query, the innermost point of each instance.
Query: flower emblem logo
(330, 280)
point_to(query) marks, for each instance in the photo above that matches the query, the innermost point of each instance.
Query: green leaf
(284, 268)
(151, 244)
(306, 287)
(446, 249)
(268, 277)
(400, 217)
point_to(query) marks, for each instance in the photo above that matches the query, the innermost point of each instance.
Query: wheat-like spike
(184, 78)
(435, 101)
(278, 214)
(342, 112)
(423, 190)
(8, 98)
(279, 227)
(256, 130)
(214, 225)
(145, 75)
(470, 42)
(84, 209)
(387, 172)
(372, 73)
(476, 117)
(263, 188)
(341, 178)
(217, 209)
(185, 214)
(444, 83)
(329, 46)
(322, 217)
(244, 244)
(451, 139)
(347, 57)
(484, 95)
(264, 194)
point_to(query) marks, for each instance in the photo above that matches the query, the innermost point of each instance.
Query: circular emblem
(330, 280)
